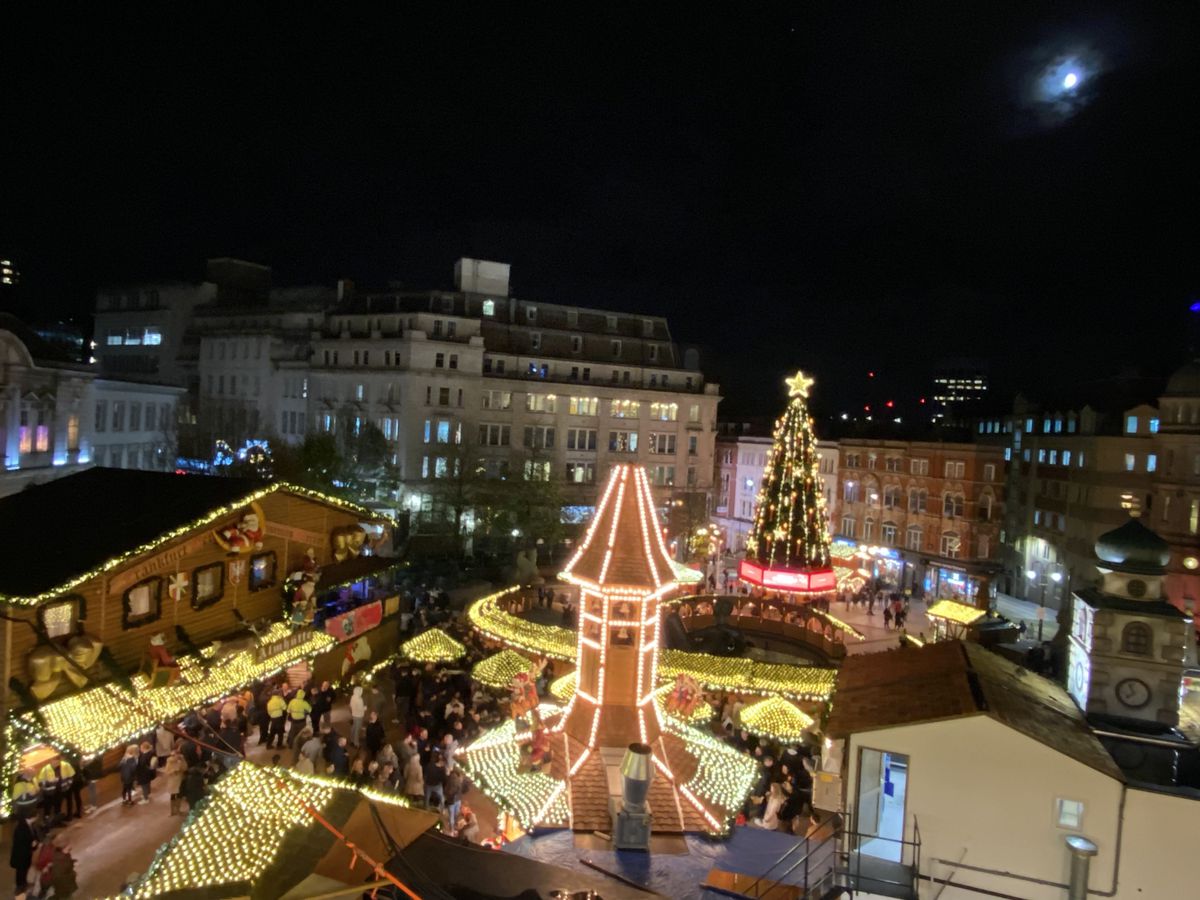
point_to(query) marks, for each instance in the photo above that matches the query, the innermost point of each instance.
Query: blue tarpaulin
(677, 875)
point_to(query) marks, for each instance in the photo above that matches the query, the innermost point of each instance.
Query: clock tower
(1127, 645)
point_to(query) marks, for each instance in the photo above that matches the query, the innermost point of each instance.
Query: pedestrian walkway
(1025, 611)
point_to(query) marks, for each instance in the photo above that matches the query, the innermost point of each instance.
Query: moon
(1070, 80)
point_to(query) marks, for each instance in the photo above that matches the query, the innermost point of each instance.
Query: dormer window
(531, 313)
(489, 307)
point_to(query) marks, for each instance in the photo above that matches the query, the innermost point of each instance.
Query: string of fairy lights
(242, 827)
(791, 525)
(432, 646)
(499, 669)
(213, 515)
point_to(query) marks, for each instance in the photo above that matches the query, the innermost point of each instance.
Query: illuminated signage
(797, 581)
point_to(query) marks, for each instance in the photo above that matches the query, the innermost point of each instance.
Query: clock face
(1133, 693)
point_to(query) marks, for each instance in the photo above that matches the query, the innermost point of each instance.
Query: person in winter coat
(311, 748)
(339, 760)
(147, 770)
(276, 716)
(175, 769)
(358, 709)
(298, 711)
(20, 857)
(435, 777)
(452, 793)
(194, 788)
(304, 766)
(322, 706)
(128, 768)
(387, 757)
(375, 736)
(414, 779)
(164, 743)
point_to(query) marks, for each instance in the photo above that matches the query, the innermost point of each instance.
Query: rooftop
(76, 525)
(952, 680)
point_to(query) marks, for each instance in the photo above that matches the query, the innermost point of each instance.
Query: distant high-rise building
(958, 384)
(9, 276)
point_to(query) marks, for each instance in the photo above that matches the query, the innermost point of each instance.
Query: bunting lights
(788, 548)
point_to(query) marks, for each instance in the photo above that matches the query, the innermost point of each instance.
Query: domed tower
(1177, 483)
(1128, 644)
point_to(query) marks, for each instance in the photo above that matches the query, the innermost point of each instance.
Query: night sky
(841, 187)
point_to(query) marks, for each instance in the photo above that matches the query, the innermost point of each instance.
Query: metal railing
(908, 865)
(800, 854)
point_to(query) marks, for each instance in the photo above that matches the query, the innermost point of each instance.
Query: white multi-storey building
(56, 417)
(534, 391)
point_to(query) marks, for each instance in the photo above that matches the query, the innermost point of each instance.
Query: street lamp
(1057, 578)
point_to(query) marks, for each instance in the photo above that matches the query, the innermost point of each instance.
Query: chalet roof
(951, 680)
(623, 545)
(70, 527)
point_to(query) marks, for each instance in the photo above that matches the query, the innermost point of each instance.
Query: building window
(1131, 424)
(891, 496)
(913, 538)
(985, 508)
(537, 470)
(693, 445)
(208, 585)
(848, 526)
(662, 444)
(953, 505)
(664, 412)
(1130, 462)
(1194, 517)
(454, 360)
(624, 409)
(581, 439)
(142, 603)
(1068, 813)
(118, 416)
(439, 361)
(497, 399)
(850, 492)
(889, 534)
(541, 403)
(1137, 638)
(955, 469)
(623, 441)
(262, 570)
(61, 618)
(868, 531)
(989, 471)
(917, 466)
(918, 500)
(535, 340)
(615, 346)
(102, 415)
(531, 313)
(583, 406)
(611, 322)
(489, 307)
(444, 396)
(1151, 462)
(539, 437)
(892, 464)
(494, 435)
(950, 545)
(1154, 426)
(581, 473)
(664, 476)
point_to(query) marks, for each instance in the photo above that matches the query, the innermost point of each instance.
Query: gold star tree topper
(798, 385)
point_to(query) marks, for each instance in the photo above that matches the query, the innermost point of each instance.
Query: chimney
(481, 276)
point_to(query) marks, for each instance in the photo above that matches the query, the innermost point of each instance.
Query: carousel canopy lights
(433, 646)
(775, 718)
(499, 670)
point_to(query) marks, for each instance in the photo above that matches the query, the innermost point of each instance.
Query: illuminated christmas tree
(788, 546)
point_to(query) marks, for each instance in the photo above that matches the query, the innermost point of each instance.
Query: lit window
(1131, 424)
(583, 406)
(1154, 426)
(43, 438)
(1130, 462)
(1066, 457)
(59, 619)
(1151, 462)
(115, 340)
(208, 584)
(489, 307)
(142, 603)
(1069, 813)
(624, 409)
(151, 337)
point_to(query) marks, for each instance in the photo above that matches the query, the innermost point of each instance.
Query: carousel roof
(499, 669)
(433, 645)
(775, 718)
(623, 546)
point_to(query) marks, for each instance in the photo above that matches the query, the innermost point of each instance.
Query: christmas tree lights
(788, 548)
